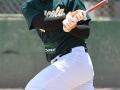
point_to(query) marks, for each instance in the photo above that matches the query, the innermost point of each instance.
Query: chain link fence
(10, 6)
(110, 10)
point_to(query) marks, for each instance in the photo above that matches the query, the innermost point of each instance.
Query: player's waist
(75, 49)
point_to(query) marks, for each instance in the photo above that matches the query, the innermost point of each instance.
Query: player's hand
(69, 15)
(79, 15)
(72, 18)
(69, 23)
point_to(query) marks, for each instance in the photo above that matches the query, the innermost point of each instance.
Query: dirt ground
(95, 89)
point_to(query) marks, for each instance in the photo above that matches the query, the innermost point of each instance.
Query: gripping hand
(72, 18)
(79, 15)
(69, 23)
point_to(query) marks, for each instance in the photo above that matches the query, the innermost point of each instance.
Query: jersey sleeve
(29, 13)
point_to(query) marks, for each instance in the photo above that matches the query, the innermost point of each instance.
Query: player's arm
(47, 23)
(81, 31)
(77, 24)
(37, 20)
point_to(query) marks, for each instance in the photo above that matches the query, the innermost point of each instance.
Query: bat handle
(97, 6)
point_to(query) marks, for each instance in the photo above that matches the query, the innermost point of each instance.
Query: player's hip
(76, 64)
(78, 59)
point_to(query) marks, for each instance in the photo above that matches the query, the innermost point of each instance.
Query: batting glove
(69, 23)
(72, 18)
(79, 15)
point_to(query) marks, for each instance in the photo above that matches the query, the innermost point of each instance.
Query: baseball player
(63, 27)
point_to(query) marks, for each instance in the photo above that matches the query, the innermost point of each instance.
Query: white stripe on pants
(73, 71)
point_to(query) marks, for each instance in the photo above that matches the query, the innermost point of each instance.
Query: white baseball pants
(73, 71)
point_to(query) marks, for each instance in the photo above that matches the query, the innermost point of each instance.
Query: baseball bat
(103, 2)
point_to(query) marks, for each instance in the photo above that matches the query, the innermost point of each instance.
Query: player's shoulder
(79, 1)
(31, 1)
(28, 3)
(75, 1)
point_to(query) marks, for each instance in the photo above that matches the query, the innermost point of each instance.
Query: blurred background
(22, 52)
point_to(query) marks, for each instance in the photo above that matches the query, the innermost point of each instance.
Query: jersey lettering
(50, 48)
(55, 13)
(50, 51)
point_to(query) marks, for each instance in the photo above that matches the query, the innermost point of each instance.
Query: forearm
(81, 31)
(47, 23)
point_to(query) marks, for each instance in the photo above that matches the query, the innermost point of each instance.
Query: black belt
(68, 51)
(64, 53)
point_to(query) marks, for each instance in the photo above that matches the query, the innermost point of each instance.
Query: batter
(71, 67)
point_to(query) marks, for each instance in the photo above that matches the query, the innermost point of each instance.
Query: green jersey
(55, 41)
